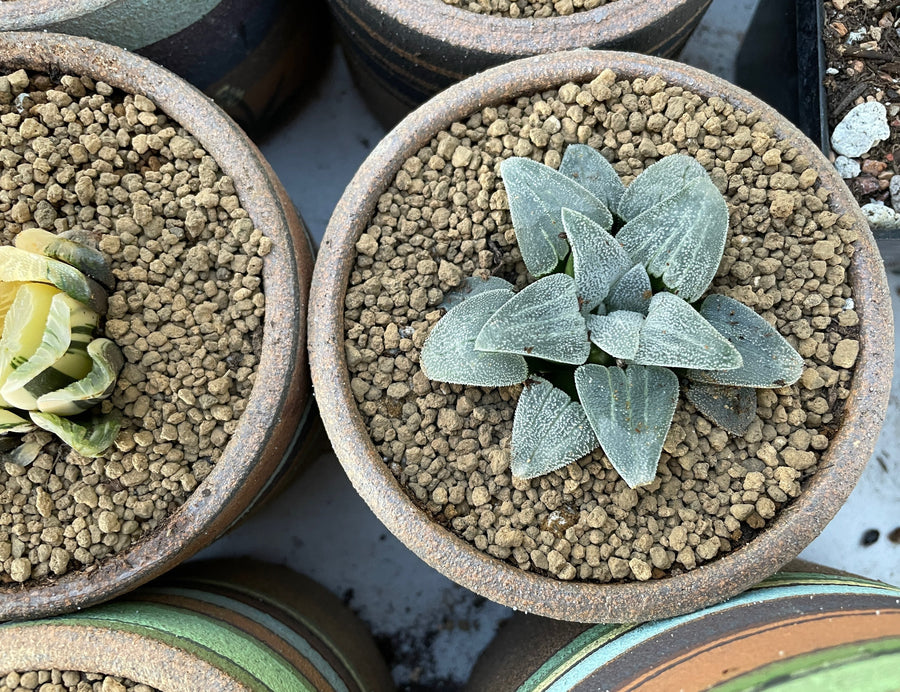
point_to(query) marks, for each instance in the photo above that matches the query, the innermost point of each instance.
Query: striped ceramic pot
(220, 625)
(251, 56)
(402, 52)
(798, 630)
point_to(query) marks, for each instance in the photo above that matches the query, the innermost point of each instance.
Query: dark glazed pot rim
(793, 528)
(521, 37)
(280, 397)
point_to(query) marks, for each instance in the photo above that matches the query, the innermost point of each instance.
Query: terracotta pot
(251, 56)
(217, 625)
(782, 539)
(273, 429)
(402, 52)
(820, 630)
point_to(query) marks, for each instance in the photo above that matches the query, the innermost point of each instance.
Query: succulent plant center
(52, 370)
(613, 323)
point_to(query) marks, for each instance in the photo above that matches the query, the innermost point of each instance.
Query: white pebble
(895, 193)
(864, 126)
(847, 168)
(880, 217)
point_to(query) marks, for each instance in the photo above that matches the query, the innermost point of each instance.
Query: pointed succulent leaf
(631, 292)
(675, 335)
(449, 353)
(106, 361)
(682, 238)
(768, 359)
(659, 181)
(598, 259)
(590, 169)
(471, 287)
(617, 333)
(543, 320)
(25, 453)
(630, 412)
(537, 194)
(90, 437)
(549, 431)
(731, 408)
(85, 258)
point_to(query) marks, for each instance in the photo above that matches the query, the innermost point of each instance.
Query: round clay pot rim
(275, 398)
(793, 528)
(107, 648)
(520, 36)
(24, 14)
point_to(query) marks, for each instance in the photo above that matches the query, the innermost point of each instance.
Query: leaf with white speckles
(598, 259)
(549, 431)
(630, 412)
(768, 359)
(675, 335)
(631, 292)
(471, 287)
(682, 238)
(731, 408)
(590, 169)
(657, 182)
(449, 353)
(617, 333)
(543, 320)
(537, 194)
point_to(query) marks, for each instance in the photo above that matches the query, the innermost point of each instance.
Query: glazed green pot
(798, 630)
(217, 625)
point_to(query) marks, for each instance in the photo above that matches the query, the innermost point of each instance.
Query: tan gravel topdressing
(186, 311)
(445, 217)
(68, 681)
(536, 9)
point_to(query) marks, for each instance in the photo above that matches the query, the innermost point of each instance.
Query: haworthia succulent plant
(768, 359)
(675, 226)
(681, 239)
(449, 353)
(537, 195)
(731, 408)
(630, 412)
(471, 287)
(598, 260)
(543, 320)
(588, 167)
(549, 431)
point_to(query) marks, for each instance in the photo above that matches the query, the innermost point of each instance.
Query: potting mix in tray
(445, 218)
(186, 311)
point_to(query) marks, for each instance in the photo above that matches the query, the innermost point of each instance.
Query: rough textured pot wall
(404, 51)
(833, 631)
(219, 625)
(249, 55)
(792, 529)
(273, 428)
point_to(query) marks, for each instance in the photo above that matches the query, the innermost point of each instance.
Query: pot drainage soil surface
(69, 681)
(535, 9)
(445, 218)
(187, 312)
(862, 52)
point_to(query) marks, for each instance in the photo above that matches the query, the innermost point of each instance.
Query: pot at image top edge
(812, 626)
(402, 52)
(277, 428)
(251, 56)
(210, 625)
(783, 537)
